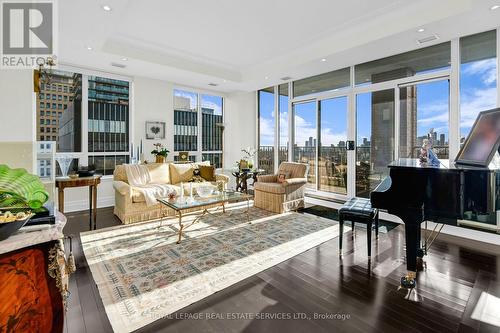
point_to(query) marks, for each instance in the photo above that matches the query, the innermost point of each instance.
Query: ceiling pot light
(124, 59)
(421, 30)
(323, 59)
(267, 77)
(495, 7)
(106, 8)
(89, 48)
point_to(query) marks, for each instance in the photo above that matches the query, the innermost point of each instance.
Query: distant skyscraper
(311, 142)
(442, 140)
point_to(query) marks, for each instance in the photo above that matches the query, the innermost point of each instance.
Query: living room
(240, 167)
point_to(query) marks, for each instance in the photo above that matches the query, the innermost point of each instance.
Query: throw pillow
(207, 172)
(282, 176)
(181, 173)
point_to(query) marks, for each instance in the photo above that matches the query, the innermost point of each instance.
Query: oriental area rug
(142, 274)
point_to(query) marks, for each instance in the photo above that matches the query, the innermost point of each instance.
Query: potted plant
(160, 153)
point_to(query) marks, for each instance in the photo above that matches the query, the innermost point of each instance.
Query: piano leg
(412, 237)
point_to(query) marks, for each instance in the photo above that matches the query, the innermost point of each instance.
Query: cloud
(474, 102)
(266, 131)
(303, 130)
(487, 69)
(214, 106)
(193, 101)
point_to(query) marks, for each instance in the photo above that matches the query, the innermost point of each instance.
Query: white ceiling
(246, 45)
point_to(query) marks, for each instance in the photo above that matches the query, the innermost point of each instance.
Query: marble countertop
(33, 235)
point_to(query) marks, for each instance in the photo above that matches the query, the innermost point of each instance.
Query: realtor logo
(27, 33)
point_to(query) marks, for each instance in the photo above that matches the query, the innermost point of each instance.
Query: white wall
(240, 121)
(17, 114)
(153, 101)
(17, 119)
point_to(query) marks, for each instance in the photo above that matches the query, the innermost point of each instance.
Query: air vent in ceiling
(213, 84)
(427, 39)
(286, 78)
(114, 64)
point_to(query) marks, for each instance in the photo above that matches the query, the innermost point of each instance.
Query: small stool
(359, 210)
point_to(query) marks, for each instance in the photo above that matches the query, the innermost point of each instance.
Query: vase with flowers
(160, 153)
(247, 162)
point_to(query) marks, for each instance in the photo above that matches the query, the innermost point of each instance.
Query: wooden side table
(91, 182)
(242, 179)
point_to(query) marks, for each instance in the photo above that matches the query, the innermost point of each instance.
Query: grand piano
(417, 192)
(427, 189)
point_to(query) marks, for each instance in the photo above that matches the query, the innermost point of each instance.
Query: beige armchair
(282, 197)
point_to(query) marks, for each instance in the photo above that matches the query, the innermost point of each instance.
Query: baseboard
(79, 205)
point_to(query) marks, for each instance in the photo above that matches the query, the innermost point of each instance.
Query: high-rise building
(52, 101)
(108, 114)
(442, 139)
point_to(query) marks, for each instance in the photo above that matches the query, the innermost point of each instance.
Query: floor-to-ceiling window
(332, 161)
(374, 139)
(267, 124)
(305, 138)
(478, 92)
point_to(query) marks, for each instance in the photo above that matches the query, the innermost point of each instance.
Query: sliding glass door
(305, 138)
(374, 139)
(332, 142)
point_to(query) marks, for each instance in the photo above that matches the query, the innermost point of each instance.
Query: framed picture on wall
(155, 130)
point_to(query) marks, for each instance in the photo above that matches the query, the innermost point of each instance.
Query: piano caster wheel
(408, 283)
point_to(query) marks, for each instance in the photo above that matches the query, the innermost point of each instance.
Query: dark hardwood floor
(362, 295)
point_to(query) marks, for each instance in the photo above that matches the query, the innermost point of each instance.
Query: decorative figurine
(427, 155)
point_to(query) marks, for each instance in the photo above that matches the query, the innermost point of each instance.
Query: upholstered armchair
(284, 196)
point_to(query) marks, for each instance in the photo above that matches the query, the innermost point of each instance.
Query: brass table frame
(204, 211)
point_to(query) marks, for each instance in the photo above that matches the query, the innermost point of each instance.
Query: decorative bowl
(9, 228)
(85, 173)
(205, 191)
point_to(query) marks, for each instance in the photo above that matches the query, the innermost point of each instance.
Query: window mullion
(85, 119)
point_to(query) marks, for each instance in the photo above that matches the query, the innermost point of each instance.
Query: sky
(207, 101)
(477, 93)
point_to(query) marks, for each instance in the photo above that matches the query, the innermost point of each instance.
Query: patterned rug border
(208, 282)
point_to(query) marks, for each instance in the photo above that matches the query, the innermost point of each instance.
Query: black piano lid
(445, 165)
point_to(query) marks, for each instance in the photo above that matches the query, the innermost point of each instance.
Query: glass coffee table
(216, 201)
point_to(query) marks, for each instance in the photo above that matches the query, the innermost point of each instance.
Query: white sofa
(130, 204)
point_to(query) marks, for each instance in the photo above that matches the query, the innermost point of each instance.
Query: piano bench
(359, 210)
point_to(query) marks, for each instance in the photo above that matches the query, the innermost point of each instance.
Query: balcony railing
(332, 165)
